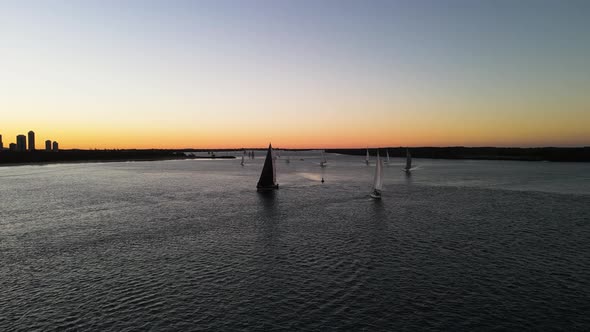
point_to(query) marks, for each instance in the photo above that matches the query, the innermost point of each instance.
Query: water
(185, 245)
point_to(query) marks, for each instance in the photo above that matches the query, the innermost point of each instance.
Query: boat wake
(311, 176)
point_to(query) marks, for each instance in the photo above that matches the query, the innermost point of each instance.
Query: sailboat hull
(267, 188)
(376, 195)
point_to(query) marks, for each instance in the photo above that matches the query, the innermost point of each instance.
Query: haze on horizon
(229, 74)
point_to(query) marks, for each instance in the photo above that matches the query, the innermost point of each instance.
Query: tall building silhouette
(1, 144)
(55, 146)
(47, 145)
(31, 140)
(21, 143)
(12, 147)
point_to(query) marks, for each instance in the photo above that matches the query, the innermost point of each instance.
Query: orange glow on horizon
(236, 139)
(357, 125)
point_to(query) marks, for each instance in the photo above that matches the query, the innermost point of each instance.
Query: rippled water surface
(190, 245)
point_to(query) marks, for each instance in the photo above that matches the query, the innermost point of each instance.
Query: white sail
(387, 153)
(408, 160)
(378, 180)
(367, 157)
(323, 160)
(242, 163)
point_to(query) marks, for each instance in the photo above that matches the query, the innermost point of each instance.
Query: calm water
(190, 245)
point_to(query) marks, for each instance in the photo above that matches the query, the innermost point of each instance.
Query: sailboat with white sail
(408, 167)
(367, 157)
(387, 154)
(243, 157)
(268, 178)
(378, 179)
(324, 160)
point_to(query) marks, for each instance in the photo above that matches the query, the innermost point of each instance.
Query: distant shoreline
(10, 158)
(481, 153)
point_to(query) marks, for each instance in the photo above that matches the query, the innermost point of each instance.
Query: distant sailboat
(268, 180)
(378, 180)
(387, 154)
(408, 161)
(367, 157)
(243, 157)
(323, 161)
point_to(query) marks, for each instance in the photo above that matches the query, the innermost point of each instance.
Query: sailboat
(408, 161)
(378, 180)
(387, 154)
(323, 161)
(268, 180)
(243, 157)
(367, 157)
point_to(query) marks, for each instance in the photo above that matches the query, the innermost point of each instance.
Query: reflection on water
(268, 202)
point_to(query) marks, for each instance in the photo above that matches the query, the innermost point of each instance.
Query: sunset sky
(224, 74)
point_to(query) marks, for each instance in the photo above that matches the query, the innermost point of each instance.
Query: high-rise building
(47, 145)
(55, 146)
(12, 147)
(31, 140)
(21, 143)
(1, 144)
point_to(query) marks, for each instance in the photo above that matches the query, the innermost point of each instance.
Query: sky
(299, 74)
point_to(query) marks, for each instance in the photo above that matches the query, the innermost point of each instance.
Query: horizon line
(324, 148)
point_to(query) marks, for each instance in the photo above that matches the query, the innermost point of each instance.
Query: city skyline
(225, 74)
(27, 143)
